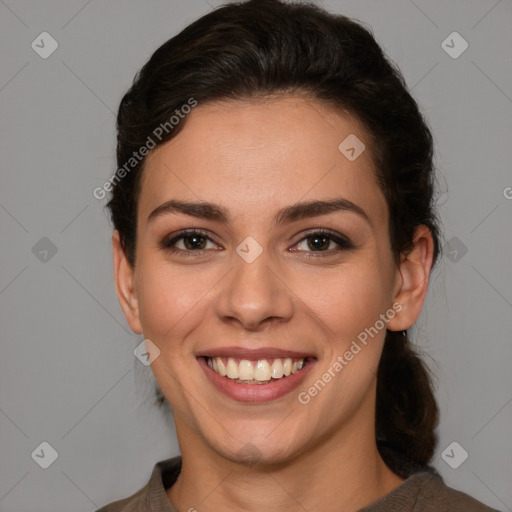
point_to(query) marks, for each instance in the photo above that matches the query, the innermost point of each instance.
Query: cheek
(169, 298)
(347, 300)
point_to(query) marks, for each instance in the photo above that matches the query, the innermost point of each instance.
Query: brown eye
(323, 242)
(188, 242)
(316, 242)
(192, 242)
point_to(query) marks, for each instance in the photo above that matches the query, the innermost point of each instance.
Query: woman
(274, 237)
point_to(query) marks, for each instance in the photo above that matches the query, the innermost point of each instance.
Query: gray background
(68, 375)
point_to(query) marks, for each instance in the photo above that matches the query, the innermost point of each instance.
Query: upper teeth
(260, 370)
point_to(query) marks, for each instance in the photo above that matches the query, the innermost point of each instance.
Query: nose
(254, 294)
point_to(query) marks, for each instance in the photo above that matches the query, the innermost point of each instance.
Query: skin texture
(254, 158)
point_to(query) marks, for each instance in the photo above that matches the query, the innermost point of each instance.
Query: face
(267, 279)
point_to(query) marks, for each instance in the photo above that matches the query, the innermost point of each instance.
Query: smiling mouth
(261, 371)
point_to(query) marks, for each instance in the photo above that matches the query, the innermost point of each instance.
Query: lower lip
(256, 393)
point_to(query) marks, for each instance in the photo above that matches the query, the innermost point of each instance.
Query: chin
(255, 452)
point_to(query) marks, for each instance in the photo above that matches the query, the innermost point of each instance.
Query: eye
(323, 241)
(188, 242)
(194, 242)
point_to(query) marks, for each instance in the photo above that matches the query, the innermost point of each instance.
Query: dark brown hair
(259, 48)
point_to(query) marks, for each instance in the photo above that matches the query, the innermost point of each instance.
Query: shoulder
(137, 502)
(152, 497)
(435, 495)
(132, 503)
(423, 489)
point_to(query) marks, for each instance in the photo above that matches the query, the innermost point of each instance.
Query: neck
(345, 472)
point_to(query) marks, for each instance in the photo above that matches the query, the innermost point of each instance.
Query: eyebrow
(210, 211)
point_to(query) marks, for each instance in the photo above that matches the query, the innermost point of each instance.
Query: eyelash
(343, 243)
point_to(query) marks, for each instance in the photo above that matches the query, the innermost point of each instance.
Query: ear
(124, 277)
(411, 282)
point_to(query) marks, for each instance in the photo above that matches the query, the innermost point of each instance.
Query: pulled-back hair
(262, 48)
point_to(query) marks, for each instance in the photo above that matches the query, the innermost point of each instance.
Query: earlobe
(124, 278)
(412, 280)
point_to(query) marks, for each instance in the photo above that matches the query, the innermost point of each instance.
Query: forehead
(261, 156)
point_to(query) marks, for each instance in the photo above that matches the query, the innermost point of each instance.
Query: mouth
(255, 376)
(256, 372)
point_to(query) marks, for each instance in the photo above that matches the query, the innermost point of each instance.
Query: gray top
(423, 491)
